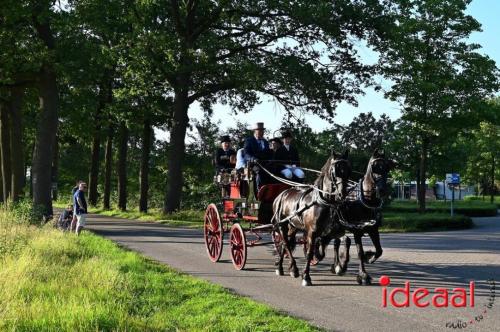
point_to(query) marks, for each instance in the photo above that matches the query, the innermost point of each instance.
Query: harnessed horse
(361, 214)
(309, 210)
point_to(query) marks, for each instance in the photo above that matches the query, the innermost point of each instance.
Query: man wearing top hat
(225, 156)
(257, 148)
(288, 157)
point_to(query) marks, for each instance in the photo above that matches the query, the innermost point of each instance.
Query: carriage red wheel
(214, 233)
(238, 246)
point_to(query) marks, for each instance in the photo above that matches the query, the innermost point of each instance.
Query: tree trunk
(108, 164)
(5, 150)
(144, 172)
(122, 167)
(105, 97)
(45, 139)
(422, 175)
(16, 141)
(55, 170)
(94, 164)
(177, 151)
(47, 119)
(492, 194)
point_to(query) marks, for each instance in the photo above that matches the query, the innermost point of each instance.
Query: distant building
(408, 190)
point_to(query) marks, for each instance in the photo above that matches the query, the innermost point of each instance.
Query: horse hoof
(338, 270)
(306, 283)
(279, 272)
(294, 274)
(368, 257)
(364, 280)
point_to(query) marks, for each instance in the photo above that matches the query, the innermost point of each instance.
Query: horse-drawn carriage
(245, 214)
(322, 211)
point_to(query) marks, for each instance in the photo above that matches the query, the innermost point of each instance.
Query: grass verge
(401, 218)
(54, 281)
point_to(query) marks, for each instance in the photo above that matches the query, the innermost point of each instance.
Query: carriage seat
(269, 192)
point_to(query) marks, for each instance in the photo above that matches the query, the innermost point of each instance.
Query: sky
(270, 112)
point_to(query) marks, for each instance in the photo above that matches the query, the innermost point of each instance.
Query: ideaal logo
(460, 297)
(440, 298)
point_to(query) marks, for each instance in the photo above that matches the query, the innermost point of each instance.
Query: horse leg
(340, 262)
(306, 278)
(287, 242)
(281, 255)
(336, 259)
(344, 258)
(370, 256)
(362, 278)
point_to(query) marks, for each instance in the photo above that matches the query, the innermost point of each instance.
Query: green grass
(471, 208)
(184, 218)
(400, 216)
(416, 222)
(54, 281)
(485, 199)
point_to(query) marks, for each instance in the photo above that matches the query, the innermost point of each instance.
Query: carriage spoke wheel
(214, 233)
(238, 246)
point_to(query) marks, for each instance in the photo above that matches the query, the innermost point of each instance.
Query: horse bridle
(375, 181)
(335, 184)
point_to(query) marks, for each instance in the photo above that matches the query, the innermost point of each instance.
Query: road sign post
(452, 179)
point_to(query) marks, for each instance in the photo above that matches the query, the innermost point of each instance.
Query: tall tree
(108, 164)
(49, 107)
(16, 141)
(123, 134)
(439, 79)
(231, 51)
(5, 155)
(484, 156)
(147, 137)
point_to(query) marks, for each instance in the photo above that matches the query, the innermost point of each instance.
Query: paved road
(442, 259)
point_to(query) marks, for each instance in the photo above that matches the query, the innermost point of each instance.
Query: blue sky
(485, 11)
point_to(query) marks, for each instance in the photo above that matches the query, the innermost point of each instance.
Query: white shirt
(240, 159)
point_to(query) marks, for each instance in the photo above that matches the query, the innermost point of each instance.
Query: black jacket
(286, 156)
(222, 158)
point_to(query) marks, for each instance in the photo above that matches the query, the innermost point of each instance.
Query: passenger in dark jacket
(289, 159)
(225, 156)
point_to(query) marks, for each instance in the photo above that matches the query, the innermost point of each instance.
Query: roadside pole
(452, 198)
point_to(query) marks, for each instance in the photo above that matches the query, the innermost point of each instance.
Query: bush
(416, 222)
(470, 208)
(25, 211)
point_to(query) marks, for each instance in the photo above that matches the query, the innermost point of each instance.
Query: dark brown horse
(309, 209)
(361, 214)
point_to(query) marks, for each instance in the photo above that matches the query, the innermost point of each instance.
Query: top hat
(225, 138)
(259, 125)
(286, 134)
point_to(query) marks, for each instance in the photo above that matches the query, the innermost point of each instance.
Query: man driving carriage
(257, 149)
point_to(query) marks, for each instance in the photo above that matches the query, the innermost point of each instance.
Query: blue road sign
(453, 178)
